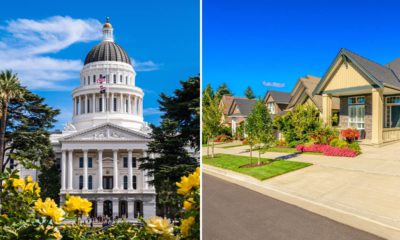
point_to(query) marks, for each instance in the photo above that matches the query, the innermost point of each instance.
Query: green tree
(298, 125)
(211, 120)
(49, 180)
(249, 93)
(260, 129)
(184, 107)
(210, 92)
(223, 90)
(10, 88)
(178, 129)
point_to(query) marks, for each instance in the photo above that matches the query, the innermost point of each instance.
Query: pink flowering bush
(327, 150)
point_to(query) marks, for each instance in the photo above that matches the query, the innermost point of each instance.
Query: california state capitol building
(99, 148)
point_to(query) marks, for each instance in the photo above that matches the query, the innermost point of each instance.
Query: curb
(353, 220)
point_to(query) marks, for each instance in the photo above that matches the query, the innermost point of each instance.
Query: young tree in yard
(208, 90)
(211, 120)
(249, 93)
(260, 129)
(222, 90)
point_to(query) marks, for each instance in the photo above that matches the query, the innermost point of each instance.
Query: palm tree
(10, 88)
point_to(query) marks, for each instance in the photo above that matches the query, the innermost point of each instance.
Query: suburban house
(369, 95)
(276, 101)
(239, 110)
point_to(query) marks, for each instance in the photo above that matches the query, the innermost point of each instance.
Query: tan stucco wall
(345, 77)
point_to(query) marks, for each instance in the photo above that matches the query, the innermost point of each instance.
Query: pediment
(107, 132)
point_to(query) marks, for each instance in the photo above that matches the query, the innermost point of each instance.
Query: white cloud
(144, 66)
(152, 111)
(273, 84)
(26, 42)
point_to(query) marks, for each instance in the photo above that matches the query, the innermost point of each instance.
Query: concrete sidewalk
(363, 192)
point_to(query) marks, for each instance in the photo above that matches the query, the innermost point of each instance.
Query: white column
(121, 110)
(85, 169)
(144, 179)
(100, 205)
(135, 111)
(100, 171)
(63, 169)
(70, 159)
(74, 106)
(130, 175)
(94, 103)
(129, 104)
(115, 161)
(103, 97)
(140, 106)
(86, 104)
(131, 209)
(112, 102)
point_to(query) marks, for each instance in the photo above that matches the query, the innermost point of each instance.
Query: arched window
(108, 78)
(125, 182)
(84, 81)
(90, 182)
(126, 105)
(120, 78)
(134, 182)
(94, 78)
(80, 182)
(125, 162)
(88, 80)
(115, 78)
(88, 105)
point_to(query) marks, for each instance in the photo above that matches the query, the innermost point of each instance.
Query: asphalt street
(234, 212)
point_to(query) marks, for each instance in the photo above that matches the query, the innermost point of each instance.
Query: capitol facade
(99, 149)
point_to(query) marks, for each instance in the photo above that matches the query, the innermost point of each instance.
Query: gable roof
(380, 75)
(227, 102)
(278, 96)
(244, 106)
(307, 84)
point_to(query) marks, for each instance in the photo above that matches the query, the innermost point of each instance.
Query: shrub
(281, 143)
(328, 150)
(294, 143)
(338, 143)
(223, 138)
(324, 135)
(350, 134)
(355, 146)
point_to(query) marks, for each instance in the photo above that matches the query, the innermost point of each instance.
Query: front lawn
(287, 150)
(233, 163)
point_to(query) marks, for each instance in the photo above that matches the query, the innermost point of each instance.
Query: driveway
(234, 212)
(367, 186)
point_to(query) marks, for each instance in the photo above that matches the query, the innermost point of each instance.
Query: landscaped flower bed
(328, 150)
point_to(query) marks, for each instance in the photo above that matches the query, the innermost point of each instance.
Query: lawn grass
(233, 163)
(232, 146)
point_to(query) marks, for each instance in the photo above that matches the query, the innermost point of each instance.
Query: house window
(88, 106)
(125, 162)
(134, 162)
(81, 162)
(90, 162)
(126, 105)
(80, 182)
(134, 182)
(94, 78)
(88, 80)
(120, 78)
(115, 78)
(271, 107)
(115, 104)
(356, 112)
(90, 182)
(392, 119)
(100, 104)
(125, 182)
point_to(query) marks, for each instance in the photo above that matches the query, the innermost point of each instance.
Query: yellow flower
(4, 216)
(160, 226)
(37, 190)
(188, 183)
(57, 234)
(29, 179)
(78, 205)
(18, 183)
(49, 209)
(188, 204)
(186, 225)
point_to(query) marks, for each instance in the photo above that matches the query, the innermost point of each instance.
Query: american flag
(101, 80)
(102, 89)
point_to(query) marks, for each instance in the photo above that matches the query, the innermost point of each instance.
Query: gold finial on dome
(107, 24)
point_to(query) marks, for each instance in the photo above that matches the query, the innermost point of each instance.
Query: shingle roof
(244, 105)
(279, 97)
(384, 74)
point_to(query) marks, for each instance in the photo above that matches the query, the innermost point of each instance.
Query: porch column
(129, 104)
(86, 104)
(131, 209)
(103, 102)
(115, 207)
(377, 116)
(121, 110)
(100, 204)
(70, 159)
(135, 105)
(100, 171)
(115, 166)
(63, 169)
(130, 186)
(85, 169)
(74, 105)
(327, 109)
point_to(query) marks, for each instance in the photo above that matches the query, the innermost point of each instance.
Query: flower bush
(26, 216)
(328, 150)
(350, 134)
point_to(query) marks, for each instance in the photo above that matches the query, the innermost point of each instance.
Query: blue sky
(45, 42)
(261, 43)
